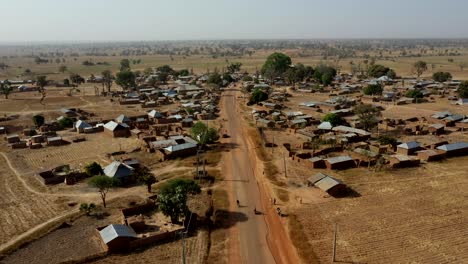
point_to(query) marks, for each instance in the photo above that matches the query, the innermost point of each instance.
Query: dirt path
(253, 238)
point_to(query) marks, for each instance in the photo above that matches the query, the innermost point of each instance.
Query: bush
(463, 90)
(441, 76)
(414, 94)
(93, 169)
(258, 96)
(38, 120)
(65, 122)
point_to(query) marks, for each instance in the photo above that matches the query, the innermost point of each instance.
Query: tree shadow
(227, 146)
(224, 219)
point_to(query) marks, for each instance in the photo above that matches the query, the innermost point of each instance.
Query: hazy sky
(107, 20)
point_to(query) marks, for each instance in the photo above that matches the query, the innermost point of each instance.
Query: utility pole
(183, 249)
(334, 244)
(285, 169)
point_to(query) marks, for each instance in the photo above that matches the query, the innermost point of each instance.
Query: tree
(215, 78)
(41, 82)
(291, 76)
(93, 169)
(334, 119)
(441, 76)
(386, 140)
(62, 68)
(165, 69)
(173, 195)
(373, 89)
(163, 77)
(66, 82)
(276, 65)
(463, 90)
(416, 94)
(203, 134)
(183, 72)
(5, 88)
(367, 115)
(377, 70)
(419, 68)
(124, 65)
(87, 208)
(65, 122)
(258, 96)
(126, 79)
(103, 184)
(144, 176)
(38, 120)
(76, 79)
(107, 78)
(322, 70)
(327, 79)
(391, 74)
(234, 67)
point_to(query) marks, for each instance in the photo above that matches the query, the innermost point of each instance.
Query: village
(160, 164)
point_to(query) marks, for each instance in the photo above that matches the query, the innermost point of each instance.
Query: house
(54, 141)
(431, 155)
(117, 238)
(402, 161)
(340, 163)
(180, 150)
(122, 119)
(68, 112)
(297, 123)
(187, 122)
(454, 149)
(266, 122)
(119, 171)
(408, 148)
(462, 101)
(436, 129)
(325, 126)
(327, 184)
(116, 129)
(81, 125)
(13, 138)
(153, 114)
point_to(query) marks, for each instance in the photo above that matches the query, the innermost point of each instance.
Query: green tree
(258, 96)
(204, 134)
(87, 208)
(173, 195)
(373, 89)
(416, 94)
(322, 70)
(377, 70)
(441, 76)
(65, 122)
(391, 74)
(291, 76)
(234, 67)
(144, 176)
(5, 88)
(93, 169)
(66, 82)
(183, 72)
(107, 78)
(367, 115)
(327, 79)
(126, 79)
(103, 184)
(463, 90)
(41, 82)
(124, 65)
(38, 120)
(334, 119)
(163, 77)
(276, 65)
(419, 67)
(165, 69)
(387, 140)
(76, 79)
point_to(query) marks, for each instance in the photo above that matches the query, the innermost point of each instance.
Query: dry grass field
(203, 63)
(415, 215)
(21, 208)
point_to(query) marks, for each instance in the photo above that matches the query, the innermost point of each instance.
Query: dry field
(203, 63)
(22, 209)
(415, 215)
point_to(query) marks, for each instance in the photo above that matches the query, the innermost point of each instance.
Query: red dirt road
(259, 238)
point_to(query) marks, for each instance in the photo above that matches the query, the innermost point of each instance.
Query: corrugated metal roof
(453, 146)
(118, 170)
(181, 147)
(122, 119)
(339, 159)
(325, 126)
(81, 124)
(114, 231)
(327, 183)
(409, 145)
(317, 177)
(345, 129)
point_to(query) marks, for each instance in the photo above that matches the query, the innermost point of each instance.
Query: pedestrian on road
(274, 200)
(238, 204)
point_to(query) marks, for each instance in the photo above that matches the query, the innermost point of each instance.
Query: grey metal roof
(453, 146)
(81, 124)
(298, 121)
(345, 129)
(111, 125)
(409, 145)
(155, 114)
(325, 126)
(339, 159)
(440, 115)
(160, 144)
(317, 177)
(122, 119)
(118, 170)
(181, 147)
(114, 231)
(327, 183)
(454, 118)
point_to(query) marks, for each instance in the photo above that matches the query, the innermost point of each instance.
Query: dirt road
(254, 238)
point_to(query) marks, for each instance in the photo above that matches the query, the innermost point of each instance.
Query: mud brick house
(117, 238)
(340, 163)
(431, 155)
(436, 129)
(402, 161)
(116, 129)
(454, 149)
(408, 148)
(327, 184)
(13, 138)
(55, 141)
